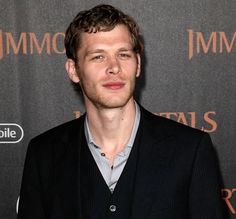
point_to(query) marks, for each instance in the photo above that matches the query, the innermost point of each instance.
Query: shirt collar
(130, 142)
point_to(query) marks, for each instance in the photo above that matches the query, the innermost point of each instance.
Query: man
(117, 160)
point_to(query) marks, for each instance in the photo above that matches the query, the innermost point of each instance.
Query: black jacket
(177, 175)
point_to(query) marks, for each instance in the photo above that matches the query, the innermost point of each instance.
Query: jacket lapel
(66, 203)
(155, 153)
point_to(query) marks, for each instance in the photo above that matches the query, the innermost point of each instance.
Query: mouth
(114, 85)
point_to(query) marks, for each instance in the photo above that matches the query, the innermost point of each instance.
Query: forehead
(119, 35)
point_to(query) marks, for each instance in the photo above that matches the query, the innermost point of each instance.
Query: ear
(139, 65)
(71, 70)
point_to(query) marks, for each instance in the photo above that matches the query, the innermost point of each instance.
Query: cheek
(131, 69)
(90, 77)
(86, 72)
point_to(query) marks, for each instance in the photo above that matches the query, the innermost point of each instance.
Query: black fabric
(96, 197)
(177, 176)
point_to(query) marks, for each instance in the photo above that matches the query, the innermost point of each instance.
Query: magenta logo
(11, 133)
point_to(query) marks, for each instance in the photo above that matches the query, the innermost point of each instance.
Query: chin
(114, 103)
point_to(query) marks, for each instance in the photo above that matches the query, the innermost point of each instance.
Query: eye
(124, 55)
(97, 58)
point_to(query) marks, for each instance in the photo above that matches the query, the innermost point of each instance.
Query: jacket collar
(155, 153)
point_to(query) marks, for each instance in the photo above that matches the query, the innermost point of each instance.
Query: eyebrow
(122, 49)
(94, 51)
(125, 49)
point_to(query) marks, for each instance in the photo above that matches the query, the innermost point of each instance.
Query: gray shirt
(112, 174)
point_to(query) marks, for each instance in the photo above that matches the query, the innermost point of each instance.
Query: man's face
(107, 67)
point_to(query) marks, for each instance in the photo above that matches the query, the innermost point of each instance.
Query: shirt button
(112, 208)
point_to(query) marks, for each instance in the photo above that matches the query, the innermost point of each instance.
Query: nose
(113, 65)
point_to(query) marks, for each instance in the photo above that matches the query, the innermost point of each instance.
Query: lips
(114, 85)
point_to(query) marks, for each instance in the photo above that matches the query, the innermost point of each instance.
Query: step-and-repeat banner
(188, 75)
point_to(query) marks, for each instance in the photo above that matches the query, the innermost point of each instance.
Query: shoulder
(167, 127)
(57, 137)
(182, 143)
(61, 131)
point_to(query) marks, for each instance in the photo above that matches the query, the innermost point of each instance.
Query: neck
(111, 128)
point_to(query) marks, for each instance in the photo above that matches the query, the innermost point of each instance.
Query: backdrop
(188, 75)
